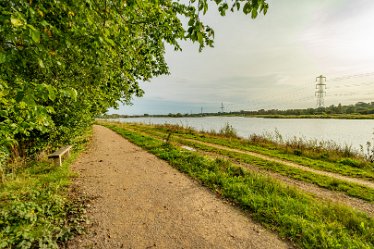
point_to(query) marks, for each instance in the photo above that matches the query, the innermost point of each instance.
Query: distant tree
(340, 109)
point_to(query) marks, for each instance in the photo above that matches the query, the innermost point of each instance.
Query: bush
(228, 131)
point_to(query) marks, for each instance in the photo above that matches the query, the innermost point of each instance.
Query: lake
(353, 132)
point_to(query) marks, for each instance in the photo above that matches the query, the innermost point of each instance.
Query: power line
(352, 76)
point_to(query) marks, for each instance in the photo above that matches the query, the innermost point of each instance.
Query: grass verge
(308, 222)
(36, 208)
(339, 167)
(350, 189)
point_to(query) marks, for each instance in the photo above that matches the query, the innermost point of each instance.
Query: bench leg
(57, 161)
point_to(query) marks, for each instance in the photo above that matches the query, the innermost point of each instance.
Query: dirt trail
(142, 202)
(325, 194)
(295, 165)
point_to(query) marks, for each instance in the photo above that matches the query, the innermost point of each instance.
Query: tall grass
(368, 151)
(327, 150)
(313, 148)
(226, 131)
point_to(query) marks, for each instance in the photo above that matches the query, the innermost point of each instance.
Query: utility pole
(222, 108)
(320, 91)
(201, 111)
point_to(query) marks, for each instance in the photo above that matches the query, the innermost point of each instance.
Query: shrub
(228, 131)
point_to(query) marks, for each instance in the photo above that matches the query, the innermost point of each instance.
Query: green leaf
(200, 37)
(110, 41)
(2, 58)
(22, 105)
(51, 92)
(41, 63)
(16, 22)
(35, 34)
(50, 109)
(73, 94)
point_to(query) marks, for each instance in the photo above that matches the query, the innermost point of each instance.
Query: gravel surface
(142, 202)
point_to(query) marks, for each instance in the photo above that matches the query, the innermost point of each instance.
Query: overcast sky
(270, 62)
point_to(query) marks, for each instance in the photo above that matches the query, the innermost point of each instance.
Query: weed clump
(228, 131)
(369, 151)
(322, 150)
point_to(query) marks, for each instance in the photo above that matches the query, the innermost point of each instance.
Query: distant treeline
(360, 108)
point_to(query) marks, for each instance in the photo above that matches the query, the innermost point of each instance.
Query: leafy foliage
(64, 62)
(35, 210)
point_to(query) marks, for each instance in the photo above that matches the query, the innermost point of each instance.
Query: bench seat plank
(60, 152)
(57, 155)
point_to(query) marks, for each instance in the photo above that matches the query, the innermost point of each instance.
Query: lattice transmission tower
(320, 91)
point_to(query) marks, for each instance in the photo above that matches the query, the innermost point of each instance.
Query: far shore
(279, 116)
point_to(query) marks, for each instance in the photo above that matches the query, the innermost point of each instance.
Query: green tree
(62, 62)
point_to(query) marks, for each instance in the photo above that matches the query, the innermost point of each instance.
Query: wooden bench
(57, 155)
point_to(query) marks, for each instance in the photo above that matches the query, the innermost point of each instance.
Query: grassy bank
(323, 181)
(350, 189)
(308, 222)
(317, 156)
(37, 209)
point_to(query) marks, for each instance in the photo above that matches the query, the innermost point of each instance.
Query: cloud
(270, 62)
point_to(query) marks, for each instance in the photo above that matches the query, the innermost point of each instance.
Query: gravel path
(142, 202)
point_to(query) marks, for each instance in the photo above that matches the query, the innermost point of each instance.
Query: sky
(270, 62)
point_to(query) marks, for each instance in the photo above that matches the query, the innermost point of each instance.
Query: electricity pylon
(320, 91)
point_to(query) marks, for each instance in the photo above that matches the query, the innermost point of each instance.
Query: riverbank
(353, 134)
(317, 220)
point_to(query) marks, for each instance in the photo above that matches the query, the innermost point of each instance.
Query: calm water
(344, 132)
